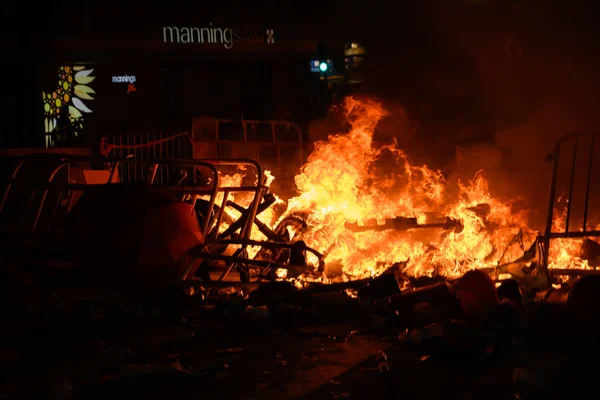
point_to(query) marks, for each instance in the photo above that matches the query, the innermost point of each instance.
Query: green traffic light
(323, 66)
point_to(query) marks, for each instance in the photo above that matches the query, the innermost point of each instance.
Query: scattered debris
(481, 313)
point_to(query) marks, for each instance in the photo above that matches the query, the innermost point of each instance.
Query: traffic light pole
(324, 91)
(322, 57)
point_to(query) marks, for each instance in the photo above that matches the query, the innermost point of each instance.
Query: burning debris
(376, 231)
(362, 208)
(369, 238)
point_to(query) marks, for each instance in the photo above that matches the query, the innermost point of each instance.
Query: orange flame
(348, 180)
(565, 253)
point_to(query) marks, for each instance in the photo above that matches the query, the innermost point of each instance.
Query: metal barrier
(577, 193)
(211, 190)
(278, 145)
(152, 166)
(26, 226)
(212, 220)
(155, 145)
(9, 184)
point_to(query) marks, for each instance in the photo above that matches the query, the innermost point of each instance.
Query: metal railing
(70, 189)
(577, 195)
(33, 206)
(212, 227)
(145, 146)
(278, 145)
(213, 222)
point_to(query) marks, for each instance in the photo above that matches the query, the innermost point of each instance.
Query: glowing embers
(72, 90)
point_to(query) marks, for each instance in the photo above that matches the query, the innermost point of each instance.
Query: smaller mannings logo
(128, 79)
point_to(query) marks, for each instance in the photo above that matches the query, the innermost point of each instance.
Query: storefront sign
(214, 35)
(128, 79)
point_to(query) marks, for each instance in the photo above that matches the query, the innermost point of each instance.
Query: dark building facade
(119, 70)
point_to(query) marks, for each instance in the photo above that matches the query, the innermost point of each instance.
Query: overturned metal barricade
(187, 187)
(579, 197)
(27, 221)
(68, 192)
(212, 221)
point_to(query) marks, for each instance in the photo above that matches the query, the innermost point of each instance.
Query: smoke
(549, 92)
(492, 87)
(526, 145)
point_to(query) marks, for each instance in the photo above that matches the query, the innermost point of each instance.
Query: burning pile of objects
(363, 208)
(361, 212)
(369, 239)
(369, 224)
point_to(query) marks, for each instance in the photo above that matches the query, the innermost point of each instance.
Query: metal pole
(587, 186)
(43, 200)
(9, 186)
(571, 184)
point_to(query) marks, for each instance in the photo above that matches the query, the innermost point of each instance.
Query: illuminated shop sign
(214, 35)
(128, 79)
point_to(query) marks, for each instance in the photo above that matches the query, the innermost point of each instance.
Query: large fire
(350, 187)
(348, 180)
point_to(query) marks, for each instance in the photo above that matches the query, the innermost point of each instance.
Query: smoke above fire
(515, 75)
